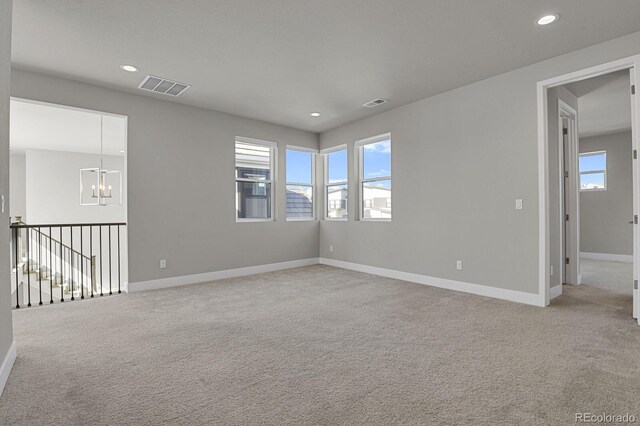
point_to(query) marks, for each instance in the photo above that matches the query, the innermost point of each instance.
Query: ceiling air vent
(375, 102)
(162, 85)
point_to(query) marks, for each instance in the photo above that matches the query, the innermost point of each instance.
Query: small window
(300, 184)
(336, 184)
(375, 178)
(254, 179)
(593, 171)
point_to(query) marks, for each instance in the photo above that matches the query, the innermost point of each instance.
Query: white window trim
(325, 157)
(274, 173)
(591, 172)
(314, 192)
(359, 148)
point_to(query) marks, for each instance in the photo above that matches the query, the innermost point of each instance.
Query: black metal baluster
(28, 257)
(119, 280)
(61, 268)
(39, 267)
(91, 258)
(110, 267)
(15, 261)
(81, 267)
(51, 263)
(71, 264)
(101, 294)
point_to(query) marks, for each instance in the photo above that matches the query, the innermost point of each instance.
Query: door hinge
(566, 174)
(635, 284)
(633, 89)
(566, 217)
(565, 131)
(635, 219)
(566, 260)
(635, 154)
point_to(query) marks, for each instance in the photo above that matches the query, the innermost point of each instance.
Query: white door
(636, 188)
(566, 189)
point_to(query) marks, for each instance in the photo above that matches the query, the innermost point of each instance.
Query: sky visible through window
(590, 163)
(337, 166)
(299, 166)
(377, 162)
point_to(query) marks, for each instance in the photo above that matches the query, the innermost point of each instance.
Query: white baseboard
(626, 258)
(555, 292)
(7, 365)
(217, 275)
(481, 290)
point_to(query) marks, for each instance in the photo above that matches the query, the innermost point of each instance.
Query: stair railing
(74, 257)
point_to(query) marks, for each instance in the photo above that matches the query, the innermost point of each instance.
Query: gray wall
(6, 330)
(460, 159)
(555, 227)
(18, 185)
(604, 215)
(180, 163)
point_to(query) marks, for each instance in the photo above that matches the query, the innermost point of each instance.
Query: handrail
(63, 225)
(60, 244)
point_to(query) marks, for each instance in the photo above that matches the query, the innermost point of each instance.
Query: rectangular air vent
(162, 85)
(375, 102)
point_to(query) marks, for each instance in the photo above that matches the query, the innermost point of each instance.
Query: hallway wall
(605, 215)
(6, 328)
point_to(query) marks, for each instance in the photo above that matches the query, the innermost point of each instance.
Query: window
(300, 184)
(593, 171)
(336, 184)
(374, 157)
(254, 179)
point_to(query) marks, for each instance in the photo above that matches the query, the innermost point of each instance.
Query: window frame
(273, 172)
(591, 172)
(359, 148)
(325, 161)
(314, 195)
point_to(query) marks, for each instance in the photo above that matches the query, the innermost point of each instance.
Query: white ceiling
(48, 127)
(604, 104)
(278, 60)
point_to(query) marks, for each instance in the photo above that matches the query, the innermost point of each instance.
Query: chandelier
(100, 186)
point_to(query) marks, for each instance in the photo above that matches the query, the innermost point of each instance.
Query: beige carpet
(320, 345)
(614, 276)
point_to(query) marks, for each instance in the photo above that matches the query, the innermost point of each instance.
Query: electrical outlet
(459, 265)
(331, 248)
(163, 263)
(518, 203)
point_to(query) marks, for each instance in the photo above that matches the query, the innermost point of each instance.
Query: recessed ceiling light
(122, 151)
(129, 68)
(548, 19)
(315, 114)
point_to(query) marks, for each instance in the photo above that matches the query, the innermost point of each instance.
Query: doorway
(589, 181)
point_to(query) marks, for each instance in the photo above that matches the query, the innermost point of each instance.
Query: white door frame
(569, 202)
(543, 167)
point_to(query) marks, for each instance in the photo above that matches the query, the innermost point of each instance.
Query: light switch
(2, 202)
(518, 203)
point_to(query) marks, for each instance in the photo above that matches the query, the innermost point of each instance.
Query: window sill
(331, 219)
(303, 219)
(253, 220)
(375, 220)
